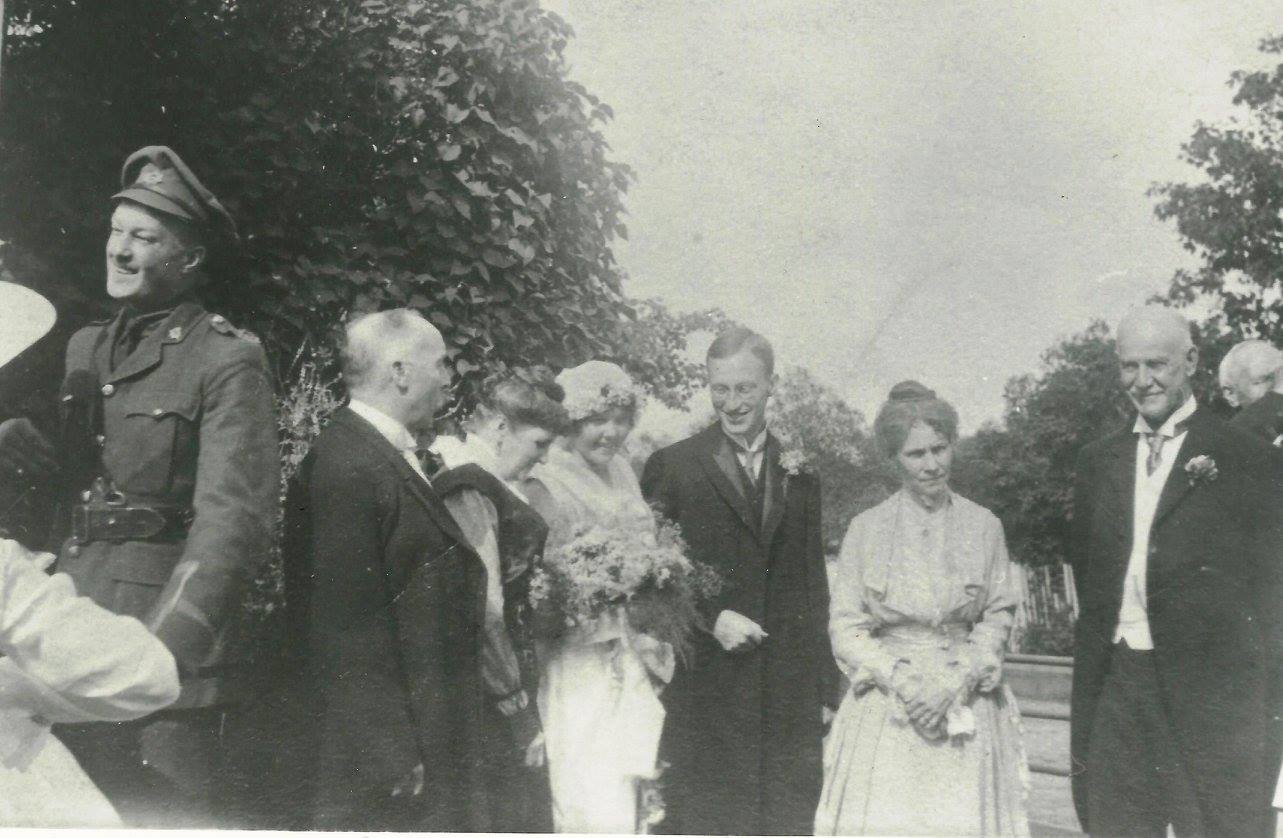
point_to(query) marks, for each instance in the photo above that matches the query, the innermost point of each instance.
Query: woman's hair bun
(911, 391)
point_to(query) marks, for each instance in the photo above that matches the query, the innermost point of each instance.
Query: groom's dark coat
(743, 732)
(1212, 597)
(385, 601)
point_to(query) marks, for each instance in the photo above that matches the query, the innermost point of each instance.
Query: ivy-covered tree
(429, 153)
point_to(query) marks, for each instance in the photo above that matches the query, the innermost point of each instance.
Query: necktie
(1155, 457)
(1156, 440)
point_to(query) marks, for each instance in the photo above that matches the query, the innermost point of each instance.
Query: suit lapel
(418, 487)
(1178, 484)
(1121, 476)
(723, 470)
(774, 489)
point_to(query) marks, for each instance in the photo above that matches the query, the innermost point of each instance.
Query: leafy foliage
(1234, 219)
(836, 437)
(409, 152)
(1024, 471)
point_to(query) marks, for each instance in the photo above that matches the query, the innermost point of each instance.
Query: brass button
(108, 389)
(101, 439)
(157, 412)
(85, 496)
(73, 550)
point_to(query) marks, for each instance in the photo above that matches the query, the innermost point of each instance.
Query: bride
(598, 694)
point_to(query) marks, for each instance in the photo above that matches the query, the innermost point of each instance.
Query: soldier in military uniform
(169, 432)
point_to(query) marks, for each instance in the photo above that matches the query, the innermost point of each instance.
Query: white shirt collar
(1168, 428)
(392, 430)
(758, 444)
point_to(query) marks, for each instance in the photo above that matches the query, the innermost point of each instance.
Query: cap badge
(151, 177)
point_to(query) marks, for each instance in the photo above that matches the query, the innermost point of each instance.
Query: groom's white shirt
(1133, 615)
(749, 454)
(391, 430)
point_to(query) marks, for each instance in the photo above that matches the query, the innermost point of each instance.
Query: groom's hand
(736, 632)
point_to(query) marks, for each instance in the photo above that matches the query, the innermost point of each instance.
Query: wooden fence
(1048, 599)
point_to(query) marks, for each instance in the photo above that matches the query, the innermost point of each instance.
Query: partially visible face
(426, 378)
(1242, 389)
(599, 438)
(1155, 366)
(148, 264)
(740, 388)
(521, 448)
(925, 461)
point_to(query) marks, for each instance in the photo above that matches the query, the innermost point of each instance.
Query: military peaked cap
(158, 178)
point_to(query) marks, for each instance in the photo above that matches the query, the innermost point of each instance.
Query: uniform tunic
(185, 423)
(187, 420)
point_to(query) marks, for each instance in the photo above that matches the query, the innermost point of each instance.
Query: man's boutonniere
(1201, 469)
(794, 458)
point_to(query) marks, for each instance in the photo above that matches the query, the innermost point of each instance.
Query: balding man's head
(1157, 359)
(1249, 370)
(396, 361)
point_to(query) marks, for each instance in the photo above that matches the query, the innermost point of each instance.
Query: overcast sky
(935, 190)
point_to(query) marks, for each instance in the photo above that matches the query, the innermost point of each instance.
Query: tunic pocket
(155, 444)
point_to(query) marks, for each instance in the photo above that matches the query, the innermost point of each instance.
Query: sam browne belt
(108, 516)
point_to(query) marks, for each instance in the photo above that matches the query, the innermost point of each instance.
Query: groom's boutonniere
(1201, 469)
(794, 458)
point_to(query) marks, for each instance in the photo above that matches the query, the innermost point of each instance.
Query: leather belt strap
(99, 522)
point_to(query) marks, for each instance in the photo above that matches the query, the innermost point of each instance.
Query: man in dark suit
(1251, 375)
(385, 602)
(1175, 521)
(744, 723)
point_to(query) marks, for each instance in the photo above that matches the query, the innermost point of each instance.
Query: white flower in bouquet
(645, 570)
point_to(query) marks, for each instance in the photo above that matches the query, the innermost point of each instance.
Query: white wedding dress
(601, 713)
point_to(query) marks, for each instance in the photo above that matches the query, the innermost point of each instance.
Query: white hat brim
(25, 317)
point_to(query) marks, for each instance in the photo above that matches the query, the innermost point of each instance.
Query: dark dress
(743, 732)
(488, 511)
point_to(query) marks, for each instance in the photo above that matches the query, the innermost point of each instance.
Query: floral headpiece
(595, 387)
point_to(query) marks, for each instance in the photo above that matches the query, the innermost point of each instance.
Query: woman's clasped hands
(927, 698)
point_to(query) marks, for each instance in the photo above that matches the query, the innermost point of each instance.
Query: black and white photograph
(691, 417)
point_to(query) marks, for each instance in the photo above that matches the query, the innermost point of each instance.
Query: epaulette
(223, 326)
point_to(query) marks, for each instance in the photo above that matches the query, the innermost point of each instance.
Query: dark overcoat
(1212, 598)
(385, 601)
(743, 731)
(1263, 417)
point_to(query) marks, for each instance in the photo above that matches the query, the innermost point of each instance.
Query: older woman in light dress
(928, 740)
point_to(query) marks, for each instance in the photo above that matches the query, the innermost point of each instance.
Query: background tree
(1233, 220)
(403, 152)
(1024, 471)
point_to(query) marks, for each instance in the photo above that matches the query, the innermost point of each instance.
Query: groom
(744, 721)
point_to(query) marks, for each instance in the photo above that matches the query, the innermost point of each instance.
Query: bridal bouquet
(643, 569)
